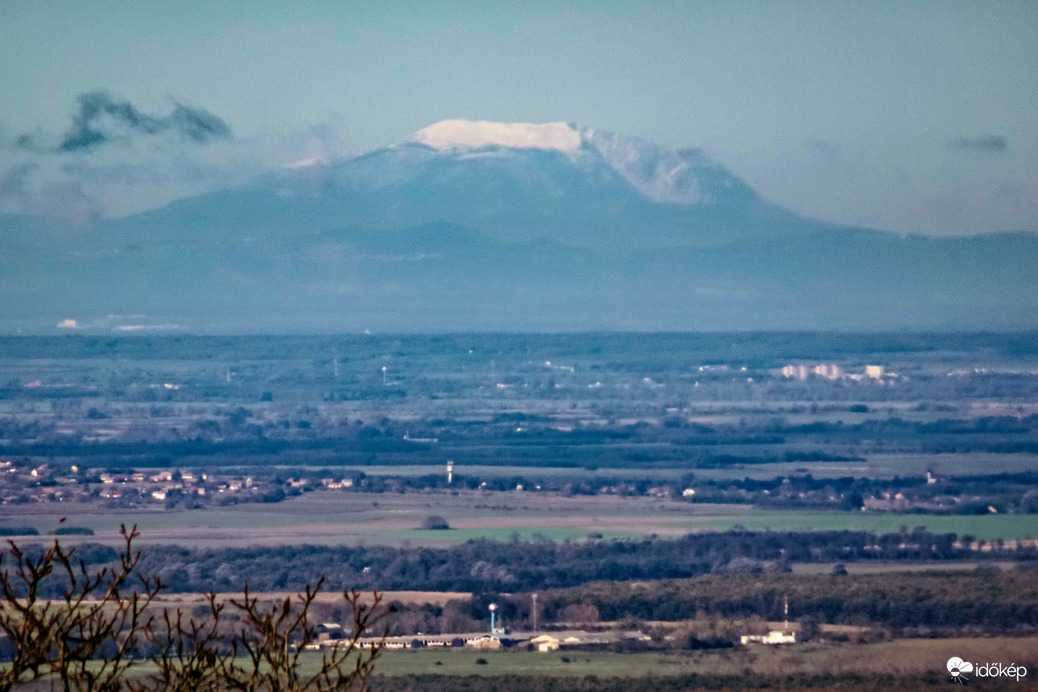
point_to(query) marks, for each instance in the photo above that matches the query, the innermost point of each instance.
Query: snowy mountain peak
(472, 134)
(662, 173)
(685, 176)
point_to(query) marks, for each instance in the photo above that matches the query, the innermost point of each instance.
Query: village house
(772, 637)
(545, 643)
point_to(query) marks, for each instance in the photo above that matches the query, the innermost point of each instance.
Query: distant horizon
(109, 334)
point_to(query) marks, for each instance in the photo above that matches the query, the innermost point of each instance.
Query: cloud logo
(957, 667)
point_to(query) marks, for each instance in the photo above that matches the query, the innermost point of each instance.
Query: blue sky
(914, 116)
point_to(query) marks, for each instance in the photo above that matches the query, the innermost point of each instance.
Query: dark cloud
(134, 171)
(198, 124)
(27, 141)
(992, 143)
(13, 183)
(24, 191)
(819, 145)
(102, 118)
(146, 172)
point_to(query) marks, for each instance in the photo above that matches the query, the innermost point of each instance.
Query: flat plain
(900, 657)
(345, 518)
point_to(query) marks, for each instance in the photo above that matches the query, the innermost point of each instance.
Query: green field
(903, 655)
(523, 533)
(326, 518)
(580, 663)
(887, 567)
(986, 527)
(884, 465)
(909, 657)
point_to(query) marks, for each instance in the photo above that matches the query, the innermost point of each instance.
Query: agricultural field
(396, 519)
(902, 657)
(901, 664)
(459, 470)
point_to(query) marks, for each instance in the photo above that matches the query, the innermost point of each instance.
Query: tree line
(483, 565)
(908, 602)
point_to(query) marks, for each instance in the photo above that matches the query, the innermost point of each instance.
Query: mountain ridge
(616, 233)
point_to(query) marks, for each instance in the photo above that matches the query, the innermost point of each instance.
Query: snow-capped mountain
(686, 176)
(665, 174)
(477, 134)
(479, 225)
(525, 182)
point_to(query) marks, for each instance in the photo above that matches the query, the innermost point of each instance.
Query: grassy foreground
(905, 664)
(902, 657)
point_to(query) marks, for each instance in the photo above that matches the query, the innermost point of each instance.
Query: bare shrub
(91, 635)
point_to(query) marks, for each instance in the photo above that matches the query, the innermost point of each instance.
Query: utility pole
(534, 612)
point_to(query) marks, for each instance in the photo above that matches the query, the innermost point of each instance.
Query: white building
(772, 637)
(486, 642)
(545, 643)
(798, 372)
(830, 371)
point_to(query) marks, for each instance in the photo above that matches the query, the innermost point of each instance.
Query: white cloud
(140, 175)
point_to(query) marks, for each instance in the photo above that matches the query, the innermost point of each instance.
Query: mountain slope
(607, 193)
(443, 278)
(504, 227)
